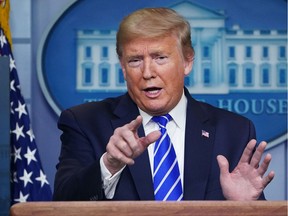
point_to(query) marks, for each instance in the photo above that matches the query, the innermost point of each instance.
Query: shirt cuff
(109, 181)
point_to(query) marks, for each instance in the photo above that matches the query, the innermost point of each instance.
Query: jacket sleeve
(78, 175)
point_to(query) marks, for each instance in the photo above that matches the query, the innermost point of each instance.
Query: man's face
(154, 70)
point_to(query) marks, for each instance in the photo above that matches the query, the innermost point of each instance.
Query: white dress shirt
(176, 131)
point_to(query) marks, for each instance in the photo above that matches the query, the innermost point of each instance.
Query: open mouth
(152, 92)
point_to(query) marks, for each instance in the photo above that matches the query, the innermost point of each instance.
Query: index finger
(135, 124)
(248, 151)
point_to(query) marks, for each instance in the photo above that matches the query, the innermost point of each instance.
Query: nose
(148, 71)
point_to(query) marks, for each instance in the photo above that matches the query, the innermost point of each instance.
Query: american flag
(28, 180)
(205, 133)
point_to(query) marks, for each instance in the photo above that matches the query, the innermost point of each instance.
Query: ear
(188, 64)
(123, 69)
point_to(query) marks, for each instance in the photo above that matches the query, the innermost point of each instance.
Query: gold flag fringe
(4, 19)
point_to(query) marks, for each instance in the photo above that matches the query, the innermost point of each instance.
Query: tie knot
(162, 120)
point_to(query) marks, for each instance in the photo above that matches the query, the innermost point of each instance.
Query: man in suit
(108, 146)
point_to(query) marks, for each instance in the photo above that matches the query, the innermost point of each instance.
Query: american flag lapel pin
(205, 134)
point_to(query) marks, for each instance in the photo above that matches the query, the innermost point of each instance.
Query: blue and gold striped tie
(167, 180)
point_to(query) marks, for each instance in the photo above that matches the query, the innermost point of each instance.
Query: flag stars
(30, 155)
(18, 131)
(11, 105)
(26, 177)
(12, 63)
(27, 166)
(15, 177)
(21, 109)
(12, 85)
(42, 179)
(30, 134)
(17, 154)
(22, 198)
(2, 39)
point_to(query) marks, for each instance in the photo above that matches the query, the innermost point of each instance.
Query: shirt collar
(178, 113)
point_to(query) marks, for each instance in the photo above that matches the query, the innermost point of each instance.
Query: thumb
(223, 165)
(150, 138)
(145, 141)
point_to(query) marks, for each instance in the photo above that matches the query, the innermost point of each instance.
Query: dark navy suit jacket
(88, 127)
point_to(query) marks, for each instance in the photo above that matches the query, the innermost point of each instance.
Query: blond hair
(150, 23)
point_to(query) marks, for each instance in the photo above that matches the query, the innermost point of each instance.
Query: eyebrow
(153, 53)
(134, 56)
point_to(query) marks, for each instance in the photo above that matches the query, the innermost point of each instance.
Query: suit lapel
(140, 171)
(198, 150)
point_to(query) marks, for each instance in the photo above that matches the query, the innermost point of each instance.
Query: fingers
(268, 178)
(135, 144)
(135, 124)
(248, 151)
(255, 160)
(223, 165)
(150, 138)
(263, 168)
(119, 153)
(125, 145)
(123, 142)
(133, 140)
(265, 164)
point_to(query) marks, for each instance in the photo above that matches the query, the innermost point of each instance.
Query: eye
(135, 62)
(161, 59)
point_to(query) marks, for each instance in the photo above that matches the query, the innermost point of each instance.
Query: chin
(156, 111)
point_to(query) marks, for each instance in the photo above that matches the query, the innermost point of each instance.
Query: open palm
(247, 180)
